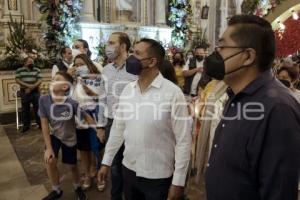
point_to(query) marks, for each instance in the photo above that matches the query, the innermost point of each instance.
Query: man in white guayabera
(153, 122)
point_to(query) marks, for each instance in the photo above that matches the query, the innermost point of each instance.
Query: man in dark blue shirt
(255, 151)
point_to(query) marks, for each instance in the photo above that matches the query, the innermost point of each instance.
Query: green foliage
(200, 39)
(101, 52)
(249, 6)
(60, 17)
(179, 12)
(18, 46)
(260, 8)
(18, 40)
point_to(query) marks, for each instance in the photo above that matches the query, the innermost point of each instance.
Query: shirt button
(215, 145)
(232, 105)
(207, 165)
(223, 125)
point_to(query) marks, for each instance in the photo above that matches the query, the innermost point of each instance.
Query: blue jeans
(116, 169)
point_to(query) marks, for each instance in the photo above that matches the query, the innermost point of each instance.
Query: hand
(199, 69)
(176, 192)
(101, 135)
(48, 156)
(103, 173)
(87, 90)
(71, 71)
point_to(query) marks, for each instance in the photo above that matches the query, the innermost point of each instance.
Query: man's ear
(250, 56)
(65, 87)
(123, 47)
(154, 62)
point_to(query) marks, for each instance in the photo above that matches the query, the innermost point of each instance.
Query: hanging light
(295, 15)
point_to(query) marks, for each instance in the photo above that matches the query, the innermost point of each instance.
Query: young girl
(87, 92)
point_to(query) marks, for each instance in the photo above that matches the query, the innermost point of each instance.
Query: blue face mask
(134, 66)
(82, 71)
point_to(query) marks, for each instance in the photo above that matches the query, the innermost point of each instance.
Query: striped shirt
(115, 80)
(28, 76)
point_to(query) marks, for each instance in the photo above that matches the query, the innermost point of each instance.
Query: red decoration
(288, 42)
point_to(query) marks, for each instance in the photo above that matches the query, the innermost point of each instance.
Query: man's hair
(168, 71)
(27, 58)
(255, 32)
(66, 76)
(123, 39)
(63, 50)
(155, 49)
(86, 45)
(200, 47)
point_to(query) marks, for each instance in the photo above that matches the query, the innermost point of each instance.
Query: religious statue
(124, 5)
(124, 9)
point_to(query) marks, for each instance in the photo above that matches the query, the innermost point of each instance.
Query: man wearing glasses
(255, 151)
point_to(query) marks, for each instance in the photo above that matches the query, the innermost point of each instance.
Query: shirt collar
(117, 66)
(157, 82)
(252, 87)
(260, 81)
(65, 63)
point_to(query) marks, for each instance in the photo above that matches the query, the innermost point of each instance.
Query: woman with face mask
(87, 92)
(189, 55)
(81, 46)
(178, 63)
(288, 76)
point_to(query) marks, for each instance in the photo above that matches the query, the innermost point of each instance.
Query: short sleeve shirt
(28, 76)
(61, 117)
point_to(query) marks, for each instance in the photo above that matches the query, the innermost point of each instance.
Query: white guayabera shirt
(155, 127)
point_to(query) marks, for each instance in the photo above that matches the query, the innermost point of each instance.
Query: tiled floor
(26, 152)
(23, 175)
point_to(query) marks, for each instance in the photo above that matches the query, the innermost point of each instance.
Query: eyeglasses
(217, 48)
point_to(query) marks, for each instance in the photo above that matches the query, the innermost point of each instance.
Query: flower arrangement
(60, 17)
(101, 52)
(288, 42)
(260, 8)
(19, 46)
(200, 39)
(179, 12)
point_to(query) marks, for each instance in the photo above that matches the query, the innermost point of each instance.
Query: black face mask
(199, 58)
(30, 66)
(177, 61)
(134, 65)
(286, 83)
(214, 65)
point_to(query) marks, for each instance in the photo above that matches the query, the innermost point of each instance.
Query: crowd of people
(229, 120)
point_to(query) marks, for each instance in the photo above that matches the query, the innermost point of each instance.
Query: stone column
(160, 12)
(238, 6)
(224, 15)
(13, 7)
(88, 11)
(211, 27)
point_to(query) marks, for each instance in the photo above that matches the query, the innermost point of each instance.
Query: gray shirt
(61, 117)
(115, 80)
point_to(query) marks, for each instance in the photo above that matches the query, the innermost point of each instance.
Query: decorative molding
(9, 87)
(12, 5)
